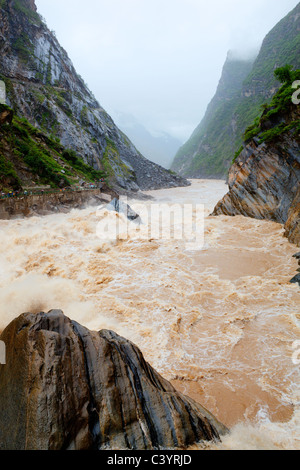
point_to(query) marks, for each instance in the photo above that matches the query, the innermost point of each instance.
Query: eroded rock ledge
(65, 387)
(264, 183)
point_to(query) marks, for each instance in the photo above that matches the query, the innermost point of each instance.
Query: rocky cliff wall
(67, 388)
(44, 204)
(43, 86)
(264, 184)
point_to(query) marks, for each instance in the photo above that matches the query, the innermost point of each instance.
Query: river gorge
(219, 321)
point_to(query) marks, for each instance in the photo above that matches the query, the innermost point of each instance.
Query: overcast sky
(159, 60)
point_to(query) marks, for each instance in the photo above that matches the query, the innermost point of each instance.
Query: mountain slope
(214, 139)
(28, 157)
(43, 86)
(211, 148)
(160, 149)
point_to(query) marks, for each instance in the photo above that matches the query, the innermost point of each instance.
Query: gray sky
(159, 60)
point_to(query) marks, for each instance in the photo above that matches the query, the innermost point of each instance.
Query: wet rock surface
(264, 183)
(296, 279)
(46, 204)
(119, 206)
(65, 387)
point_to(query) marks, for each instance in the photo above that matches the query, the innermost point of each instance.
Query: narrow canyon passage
(219, 321)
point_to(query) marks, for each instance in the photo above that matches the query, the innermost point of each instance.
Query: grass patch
(45, 156)
(77, 163)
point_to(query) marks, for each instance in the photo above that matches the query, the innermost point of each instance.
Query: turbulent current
(217, 318)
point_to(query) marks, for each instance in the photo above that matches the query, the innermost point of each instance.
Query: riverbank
(46, 203)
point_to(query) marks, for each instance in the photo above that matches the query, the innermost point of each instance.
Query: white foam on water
(219, 322)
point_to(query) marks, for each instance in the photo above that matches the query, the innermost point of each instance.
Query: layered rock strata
(65, 387)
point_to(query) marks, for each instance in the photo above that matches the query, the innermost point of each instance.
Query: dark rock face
(292, 225)
(6, 117)
(119, 206)
(65, 387)
(264, 183)
(296, 279)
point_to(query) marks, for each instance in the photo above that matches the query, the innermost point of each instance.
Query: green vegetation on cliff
(212, 146)
(205, 152)
(43, 86)
(277, 116)
(29, 157)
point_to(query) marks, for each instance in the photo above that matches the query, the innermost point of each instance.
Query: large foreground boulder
(65, 387)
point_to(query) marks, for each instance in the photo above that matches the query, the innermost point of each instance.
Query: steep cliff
(43, 87)
(264, 181)
(30, 158)
(208, 153)
(67, 388)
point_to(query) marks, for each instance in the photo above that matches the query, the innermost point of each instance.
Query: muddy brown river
(218, 318)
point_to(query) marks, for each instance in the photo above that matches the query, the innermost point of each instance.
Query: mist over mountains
(245, 85)
(158, 148)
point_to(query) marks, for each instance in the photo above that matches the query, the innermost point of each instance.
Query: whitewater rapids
(219, 321)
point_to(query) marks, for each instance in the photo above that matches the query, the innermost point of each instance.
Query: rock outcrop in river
(65, 387)
(43, 87)
(264, 181)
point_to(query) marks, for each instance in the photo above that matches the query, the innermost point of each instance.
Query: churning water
(220, 321)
